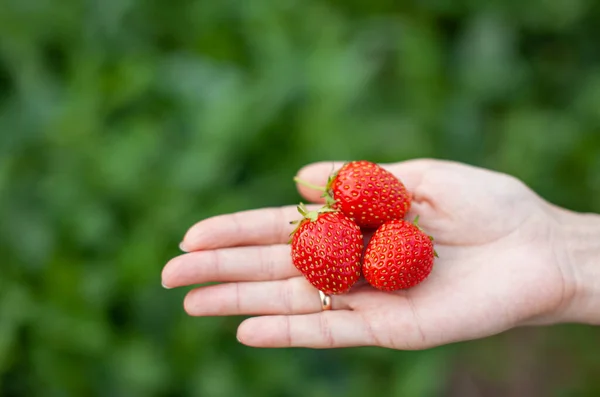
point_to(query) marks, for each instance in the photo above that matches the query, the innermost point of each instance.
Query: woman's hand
(501, 264)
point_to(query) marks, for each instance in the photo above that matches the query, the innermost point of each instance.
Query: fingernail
(164, 286)
(182, 247)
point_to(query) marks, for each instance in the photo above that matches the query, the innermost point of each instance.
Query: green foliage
(122, 122)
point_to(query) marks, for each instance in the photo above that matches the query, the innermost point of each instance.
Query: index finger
(253, 227)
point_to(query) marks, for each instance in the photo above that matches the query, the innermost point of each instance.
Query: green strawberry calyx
(308, 184)
(307, 215)
(327, 189)
(416, 223)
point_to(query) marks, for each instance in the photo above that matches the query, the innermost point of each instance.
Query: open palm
(498, 268)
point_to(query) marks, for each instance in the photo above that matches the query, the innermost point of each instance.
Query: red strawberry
(366, 193)
(398, 256)
(326, 248)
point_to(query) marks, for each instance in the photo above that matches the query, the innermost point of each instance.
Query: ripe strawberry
(326, 248)
(398, 256)
(367, 193)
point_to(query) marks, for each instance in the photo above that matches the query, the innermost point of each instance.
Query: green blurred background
(123, 122)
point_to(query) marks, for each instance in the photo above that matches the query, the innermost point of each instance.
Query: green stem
(308, 184)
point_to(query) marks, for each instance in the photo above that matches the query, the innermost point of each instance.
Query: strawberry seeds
(327, 245)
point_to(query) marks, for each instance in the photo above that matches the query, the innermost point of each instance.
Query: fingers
(254, 227)
(409, 172)
(267, 262)
(329, 329)
(291, 296)
(271, 225)
(396, 321)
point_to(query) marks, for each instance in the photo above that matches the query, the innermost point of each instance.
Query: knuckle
(287, 294)
(325, 330)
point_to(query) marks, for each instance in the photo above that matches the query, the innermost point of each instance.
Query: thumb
(316, 174)
(410, 172)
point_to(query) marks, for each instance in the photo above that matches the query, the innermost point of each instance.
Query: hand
(499, 267)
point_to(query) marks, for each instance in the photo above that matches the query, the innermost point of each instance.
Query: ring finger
(291, 296)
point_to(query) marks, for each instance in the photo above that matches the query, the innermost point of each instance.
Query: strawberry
(326, 248)
(367, 193)
(398, 256)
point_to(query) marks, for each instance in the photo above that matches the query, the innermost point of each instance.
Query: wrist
(580, 235)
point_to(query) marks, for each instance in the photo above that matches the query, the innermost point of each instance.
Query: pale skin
(507, 258)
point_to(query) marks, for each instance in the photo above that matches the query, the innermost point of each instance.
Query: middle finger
(261, 263)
